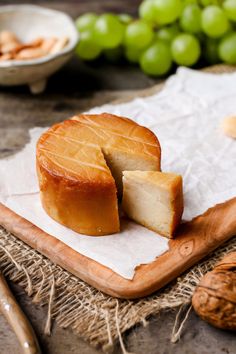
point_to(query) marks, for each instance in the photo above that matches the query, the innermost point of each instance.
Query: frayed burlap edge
(96, 317)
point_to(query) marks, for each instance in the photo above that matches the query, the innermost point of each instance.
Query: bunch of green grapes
(167, 33)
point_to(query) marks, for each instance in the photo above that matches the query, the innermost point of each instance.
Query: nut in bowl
(35, 42)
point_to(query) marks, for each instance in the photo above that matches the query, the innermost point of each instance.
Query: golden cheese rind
(74, 163)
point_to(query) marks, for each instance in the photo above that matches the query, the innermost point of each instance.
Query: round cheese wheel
(80, 163)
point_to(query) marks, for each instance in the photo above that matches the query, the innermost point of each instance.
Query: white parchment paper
(185, 116)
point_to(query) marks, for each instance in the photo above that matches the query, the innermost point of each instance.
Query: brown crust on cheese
(76, 186)
(178, 204)
(139, 133)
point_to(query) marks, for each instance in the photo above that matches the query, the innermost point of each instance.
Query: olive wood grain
(17, 320)
(194, 240)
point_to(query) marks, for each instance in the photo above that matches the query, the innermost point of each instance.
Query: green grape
(227, 48)
(167, 11)
(185, 49)
(114, 54)
(87, 48)
(185, 3)
(188, 2)
(133, 54)
(108, 31)
(147, 11)
(156, 60)
(230, 28)
(211, 51)
(125, 18)
(190, 19)
(138, 34)
(205, 3)
(214, 21)
(167, 34)
(229, 7)
(86, 21)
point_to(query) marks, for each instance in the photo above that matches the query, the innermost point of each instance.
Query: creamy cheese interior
(154, 199)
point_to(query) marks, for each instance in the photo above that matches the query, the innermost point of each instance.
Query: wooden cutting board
(194, 241)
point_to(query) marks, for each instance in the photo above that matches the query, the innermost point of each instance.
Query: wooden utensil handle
(17, 320)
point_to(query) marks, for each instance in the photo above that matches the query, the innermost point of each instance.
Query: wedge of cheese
(153, 199)
(80, 163)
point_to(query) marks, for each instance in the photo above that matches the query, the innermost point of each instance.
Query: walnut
(214, 299)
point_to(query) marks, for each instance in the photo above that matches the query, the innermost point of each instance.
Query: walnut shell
(214, 300)
(228, 262)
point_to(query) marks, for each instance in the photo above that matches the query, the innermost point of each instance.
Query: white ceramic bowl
(29, 22)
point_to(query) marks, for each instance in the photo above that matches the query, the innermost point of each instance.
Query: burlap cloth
(96, 317)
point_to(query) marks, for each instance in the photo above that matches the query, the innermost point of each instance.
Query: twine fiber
(97, 318)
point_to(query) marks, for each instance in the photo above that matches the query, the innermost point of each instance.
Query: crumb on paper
(229, 126)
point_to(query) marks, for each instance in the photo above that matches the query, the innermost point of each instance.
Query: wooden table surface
(75, 88)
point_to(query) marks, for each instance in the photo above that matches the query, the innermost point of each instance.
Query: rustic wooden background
(76, 88)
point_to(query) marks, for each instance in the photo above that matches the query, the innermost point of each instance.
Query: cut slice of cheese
(80, 163)
(153, 199)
